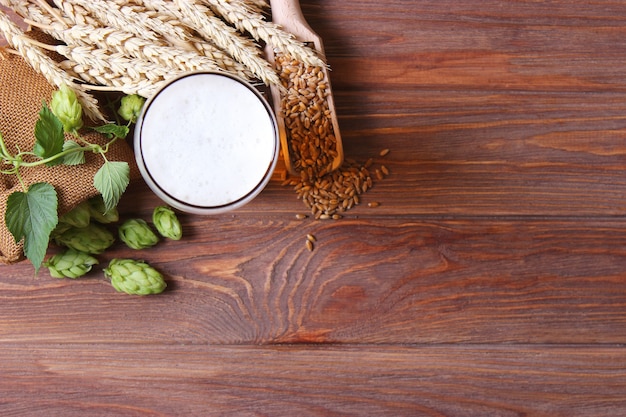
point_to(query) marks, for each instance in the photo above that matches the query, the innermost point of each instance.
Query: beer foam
(207, 140)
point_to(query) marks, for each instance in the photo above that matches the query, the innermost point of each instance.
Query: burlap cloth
(22, 91)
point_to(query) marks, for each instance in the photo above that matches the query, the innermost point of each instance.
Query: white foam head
(206, 142)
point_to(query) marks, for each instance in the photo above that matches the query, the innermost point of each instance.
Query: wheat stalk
(257, 6)
(215, 31)
(43, 64)
(133, 46)
(128, 75)
(210, 27)
(75, 13)
(244, 19)
(164, 55)
(129, 18)
(110, 71)
(129, 45)
(110, 15)
(89, 70)
(11, 4)
(99, 81)
(229, 64)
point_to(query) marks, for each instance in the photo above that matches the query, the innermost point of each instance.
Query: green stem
(3, 149)
(58, 155)
(21, 181)
(106, 147)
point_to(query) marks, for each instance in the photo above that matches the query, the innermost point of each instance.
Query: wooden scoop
(288, 15)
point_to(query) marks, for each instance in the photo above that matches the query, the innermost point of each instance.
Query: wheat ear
(261, 4)
(129, 45)
(215, 32)
(112, 16)
(244, 19)
(120, 73)
(44, 65)
(75, 13)
(229, 64)
(98, 81)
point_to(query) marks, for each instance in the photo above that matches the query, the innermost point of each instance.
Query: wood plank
(488, 154)
(523, 45)
(244, 279)
(142, 380)
(490, 109)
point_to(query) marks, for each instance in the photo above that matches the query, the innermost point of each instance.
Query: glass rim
(182, 205)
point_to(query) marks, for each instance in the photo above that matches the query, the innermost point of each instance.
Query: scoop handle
(286, 10)
(288, 14)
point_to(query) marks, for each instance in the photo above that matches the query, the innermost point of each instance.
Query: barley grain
(384, 152)
(310, 134)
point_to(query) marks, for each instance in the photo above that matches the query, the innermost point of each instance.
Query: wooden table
(490, 281)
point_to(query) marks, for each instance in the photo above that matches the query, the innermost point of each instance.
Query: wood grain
(252, 280)
(490, 281)
(163, 380)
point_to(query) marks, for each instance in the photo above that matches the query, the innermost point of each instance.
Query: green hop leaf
(131, 107)
(134, 277)
(67, 108)
(112, 130)
(166, 223)
(70, 264)
(136, 234)
(49, 137)
(111, 181)
(75, 158)
(32, 216)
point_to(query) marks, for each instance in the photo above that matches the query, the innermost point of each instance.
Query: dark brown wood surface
(490, 281)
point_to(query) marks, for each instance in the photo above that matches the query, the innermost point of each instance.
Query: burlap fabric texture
(22, 91)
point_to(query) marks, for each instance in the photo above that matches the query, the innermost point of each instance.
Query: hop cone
(59, 230)
(70, 264)
(99, 212)
(134, 277)
(67, 108)
(79, 216)
(167, 223)
(93, 239)
(137, 234)
(131, 107)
